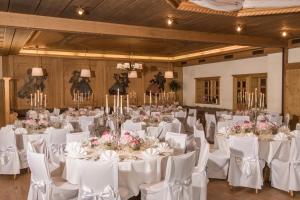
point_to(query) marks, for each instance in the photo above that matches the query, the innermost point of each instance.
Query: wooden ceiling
(109, 44)
(149, 13)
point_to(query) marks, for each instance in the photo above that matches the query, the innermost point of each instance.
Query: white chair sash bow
(40, 189)
(107, 194)
(246, 164)
(58, 150)
(178, 187)
(4, 155)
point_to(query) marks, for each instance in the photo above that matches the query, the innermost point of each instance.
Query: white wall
(271, 64)
(294, 55)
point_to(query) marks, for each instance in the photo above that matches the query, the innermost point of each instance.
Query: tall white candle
(38, 96)
(121, 109)
(45, 99)
(156, 98)
(252, 96)
(35, 99)
(106, 104)
(127, 103)
(263, 101)
(144, 98)
(114, 103)
(150, 98)
(118, 98)
(255, 97)
(41, 99)
(31, 100)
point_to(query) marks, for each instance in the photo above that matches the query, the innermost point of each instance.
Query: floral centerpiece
(245, 127)
(35, 124)
(93, 141)
(265, 127)
(133, 142)
(107, 138)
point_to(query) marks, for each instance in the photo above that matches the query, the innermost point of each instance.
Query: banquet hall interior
(149, 99)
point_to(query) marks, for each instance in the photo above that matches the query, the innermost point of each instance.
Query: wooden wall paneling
(292, 90)
(60, 71)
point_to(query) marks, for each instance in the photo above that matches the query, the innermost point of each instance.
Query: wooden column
(5, 100)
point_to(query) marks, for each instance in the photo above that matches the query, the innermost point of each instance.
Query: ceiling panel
(113, 44)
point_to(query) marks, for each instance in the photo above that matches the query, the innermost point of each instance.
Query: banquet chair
(240, 119)
(56, 145)
(210, 128)
(99, 180)
(9, 157)
(285, 167)
(177, 141)
(129, 125)
(42, 186)
(199, 176)
(56, 111)
(177, 183)
(77, 137)
(85, 122)
(180, 114)
(154, 114)
(192, 112)
(245, 169)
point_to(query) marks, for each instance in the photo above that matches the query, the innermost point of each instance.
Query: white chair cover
(180, 114)
(280, 165)
(77, 137)
(56, 111)
(129, 125)
(85, 122)
(244, 167)
(9, 157)
(93, 187)
(57, 143)
(178, 182)
(211, 124)
(239, 119)
(199, 177)
(177, 141)
(42, 187)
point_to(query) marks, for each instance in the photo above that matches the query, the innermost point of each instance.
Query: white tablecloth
(131, 173)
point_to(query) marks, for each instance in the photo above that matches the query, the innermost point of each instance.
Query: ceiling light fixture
(284, 34)
(239, 28)
(170, 21)
(80, 11)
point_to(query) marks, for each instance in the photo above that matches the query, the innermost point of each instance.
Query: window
(248, 83)
(208, 90)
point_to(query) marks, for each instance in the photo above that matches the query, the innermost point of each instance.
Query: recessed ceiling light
(239, 28)
(170, 21)
(80, 11)
(284, 34)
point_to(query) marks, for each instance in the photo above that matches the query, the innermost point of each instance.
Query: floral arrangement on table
(245, 127)
(94, 141)
(243, 112)
(134, 142)
(262, 127)
(107, 138)
(35, 124)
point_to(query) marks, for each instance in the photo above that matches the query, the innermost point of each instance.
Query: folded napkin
(222, 130)
(295, 133)
(69, 127)
(150, 153)
(109, 155)
(74, 149)
(280, 136)
(21, 131)
(163, 147)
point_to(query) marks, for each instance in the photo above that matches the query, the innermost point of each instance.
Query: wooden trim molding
(36, 22)
(188, 6)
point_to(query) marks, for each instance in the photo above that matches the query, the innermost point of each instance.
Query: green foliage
(174, 86)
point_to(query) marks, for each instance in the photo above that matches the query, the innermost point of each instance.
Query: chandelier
(129, 66)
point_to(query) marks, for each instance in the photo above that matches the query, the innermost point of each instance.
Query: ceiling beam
(36, 22)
